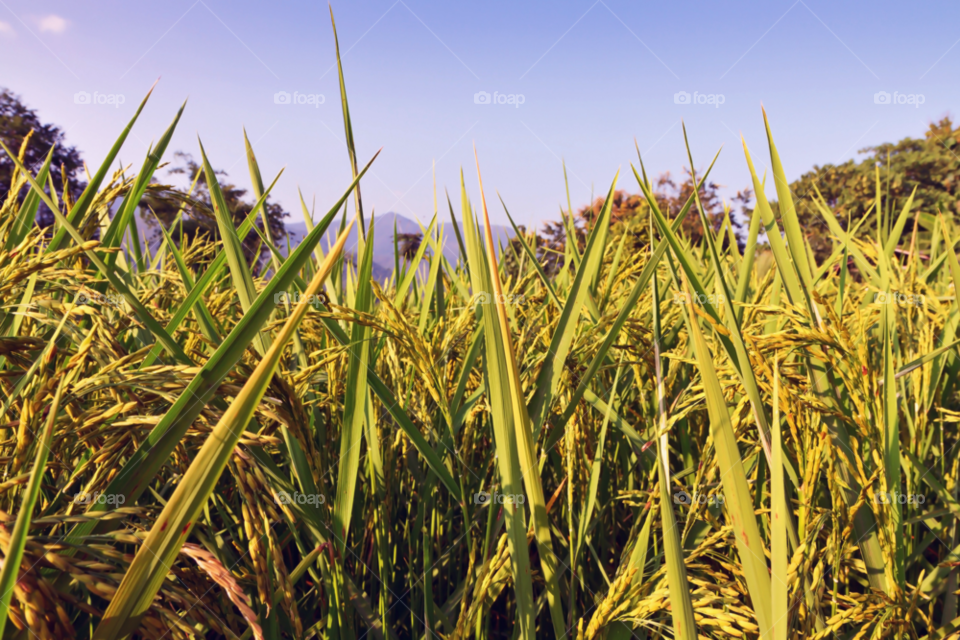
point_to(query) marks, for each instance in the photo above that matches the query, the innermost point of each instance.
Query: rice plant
(680, 441)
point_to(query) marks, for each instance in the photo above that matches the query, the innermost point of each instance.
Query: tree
(17, 121)
(630, 214)
(199, 220)
(408, 244)
(931, 164)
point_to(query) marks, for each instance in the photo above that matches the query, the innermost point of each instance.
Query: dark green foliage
(930, 163)
(198, 214)
(16, 122)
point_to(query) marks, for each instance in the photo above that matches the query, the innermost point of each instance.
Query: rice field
(681, 441)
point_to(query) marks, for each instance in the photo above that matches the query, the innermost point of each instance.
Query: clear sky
(578, 81)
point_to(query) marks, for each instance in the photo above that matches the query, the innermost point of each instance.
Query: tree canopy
(17, 121)
(198, 214)
(630, 215)
(930, 164)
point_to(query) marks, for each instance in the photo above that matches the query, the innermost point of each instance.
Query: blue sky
(591, 75)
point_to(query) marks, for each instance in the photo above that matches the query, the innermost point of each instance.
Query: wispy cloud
(52, 24)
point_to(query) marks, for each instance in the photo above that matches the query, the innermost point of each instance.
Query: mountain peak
(383, 242)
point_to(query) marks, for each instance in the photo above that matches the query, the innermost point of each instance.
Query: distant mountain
(383, 251)
(383, 263)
